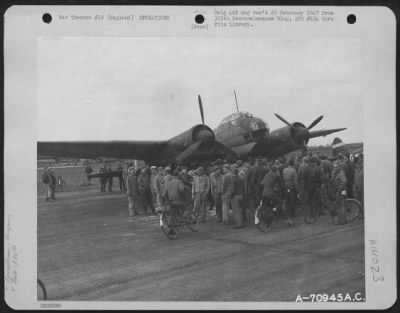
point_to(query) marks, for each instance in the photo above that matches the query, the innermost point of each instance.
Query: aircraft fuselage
(248, 135)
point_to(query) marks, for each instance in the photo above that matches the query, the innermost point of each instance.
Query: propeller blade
(188, 152)
(315, 122)
(237, 106)
(283, 120)
(201, 110)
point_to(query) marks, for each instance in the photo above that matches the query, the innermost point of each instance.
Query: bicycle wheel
(352, 209)
(311, 215)
(41, 290)
(264, 216)
(168, 230)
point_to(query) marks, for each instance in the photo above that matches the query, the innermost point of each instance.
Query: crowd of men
(239, 186)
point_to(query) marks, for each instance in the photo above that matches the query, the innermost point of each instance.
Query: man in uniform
(291, 187)
(260, 172)
(187, 183)
(226, 193)
(200, 190)
(312, 178)
(237, 197)
(159, 186)
(103, 179)
(88, 170)
(153, 189)
(339, 185)
(46, 182)
(110, 179)
(359, 181)
(272, 185)
(131, 190)
(173, 195)
(300, 174)
(122, 186)
(216, 191)
(326, 168)
(251, 191)
(52, 184)
(348, 167)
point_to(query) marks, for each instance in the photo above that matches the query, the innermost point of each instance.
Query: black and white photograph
(202, 169)
(193, 169)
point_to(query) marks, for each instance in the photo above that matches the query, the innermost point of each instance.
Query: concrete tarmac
(88, 249)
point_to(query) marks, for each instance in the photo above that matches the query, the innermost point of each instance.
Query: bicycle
(171, 231)
(266, 213)
(312, 213)
(41, 290)
(349, 211)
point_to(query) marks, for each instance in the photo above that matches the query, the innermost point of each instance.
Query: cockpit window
(236, 116)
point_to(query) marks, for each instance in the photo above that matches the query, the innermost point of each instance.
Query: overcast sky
(123, 88)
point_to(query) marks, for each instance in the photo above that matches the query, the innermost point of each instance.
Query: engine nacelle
(286, 139)
(195, 133)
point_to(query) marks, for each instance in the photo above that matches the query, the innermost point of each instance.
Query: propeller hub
(300, 134)
(205, 135)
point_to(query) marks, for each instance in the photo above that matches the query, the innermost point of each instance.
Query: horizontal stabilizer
(105, 174)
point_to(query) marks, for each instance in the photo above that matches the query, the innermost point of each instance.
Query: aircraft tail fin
(336, 140)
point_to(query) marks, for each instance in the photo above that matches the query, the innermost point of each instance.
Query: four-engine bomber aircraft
(239, 135)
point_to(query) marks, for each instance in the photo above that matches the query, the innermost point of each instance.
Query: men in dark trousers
(110, 179)
(312, 178)
(122, 186)
(103, 179)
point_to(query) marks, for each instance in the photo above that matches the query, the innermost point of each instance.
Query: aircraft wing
(140, 150)
(323, 132)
